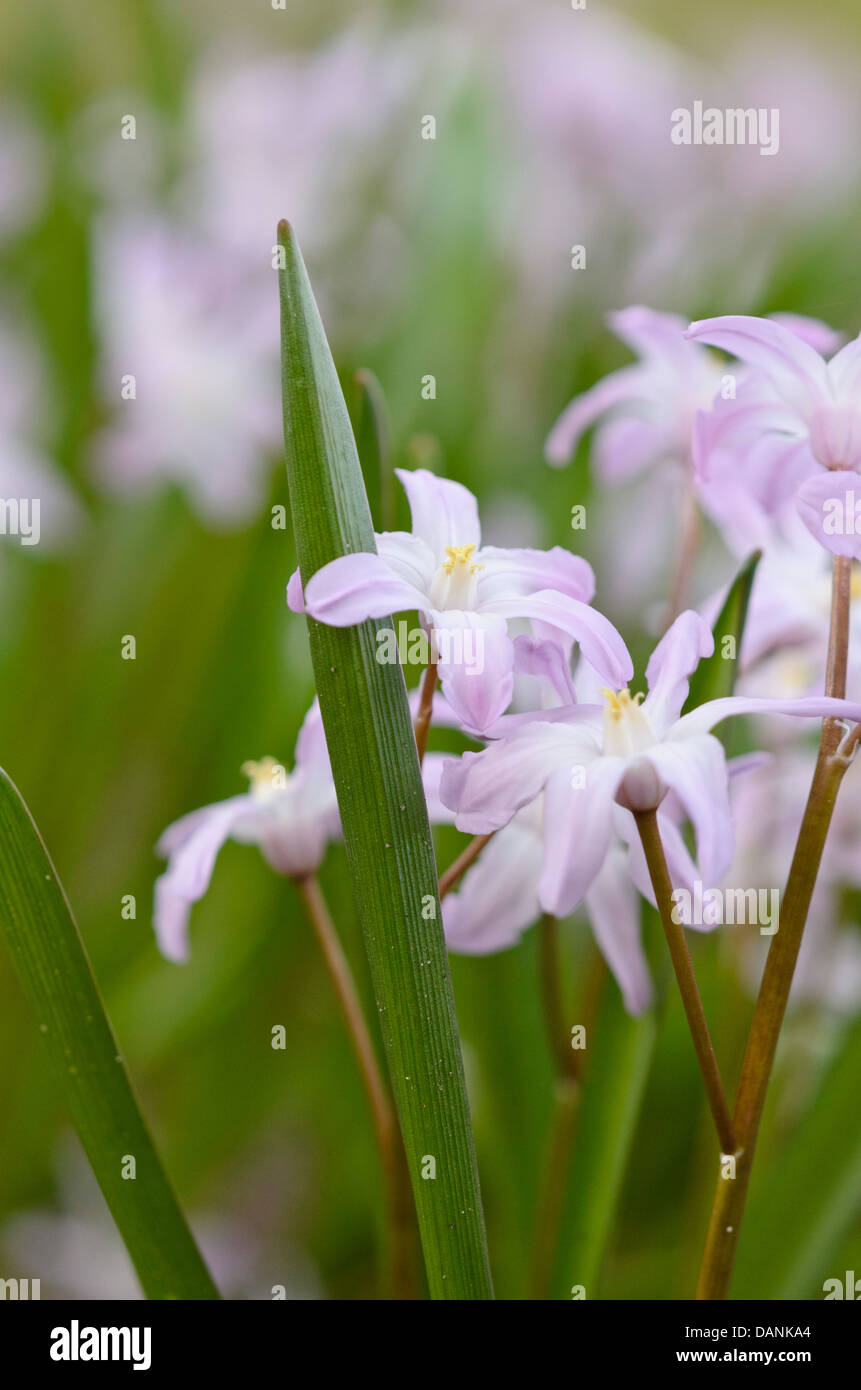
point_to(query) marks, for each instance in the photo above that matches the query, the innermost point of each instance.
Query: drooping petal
(475, 659)
(673, 661)
(498, 896)
(829, 504)
(798, 373)
(355, 587)
(432, 769)
(507, 572)
(547, 660)
(192, 844)
(614, 912)
(599, 641)
(443, 512)
(629, 384)
(578, 829)
(486, 789)
(696, 770)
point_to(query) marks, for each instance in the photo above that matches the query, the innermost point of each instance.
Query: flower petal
(614, 911)
(696, 770)
(599, 641)
(507, 572)
(443, 512)
(578, 830)
(829, 504)
(408, 558)
(475, 658)
(355, 587)
(798, 373)
(498, 896)
(629, 384)
(487, 788)
(673, 661)
(713, 712)
(192, 843)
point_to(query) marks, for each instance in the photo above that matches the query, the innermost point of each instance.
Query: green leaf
(715, 675)
(374, 441)
(802, 1206)
(383, 812)
(613, 1091)
(55, 974)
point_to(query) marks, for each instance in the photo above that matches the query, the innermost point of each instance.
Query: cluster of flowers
(557, 783)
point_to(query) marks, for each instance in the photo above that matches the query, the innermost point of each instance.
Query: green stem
(758, 1061)
(647, 824)
(401, 1249)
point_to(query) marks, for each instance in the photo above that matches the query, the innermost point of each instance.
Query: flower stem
(758, 1061)
(425, 710)
(691, 530)
(456, 870)
(647, 824)
(401, 1259)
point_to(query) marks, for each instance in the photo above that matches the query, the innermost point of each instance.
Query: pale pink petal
(486, 789)
(599, 641)
(845, 371)
(706, 716)
(508, 572)
(475, 658)
(443, 512)
(408, 558)
(798, 373)
(547, 660)
(295, 597)
(625, 447)
(696, 770)
(629, 384)
(829, 504)
(498, 897)
(578, 830)
(673, 661)
(815, 332)
(192, 844)
(614, 912)
(355, 587)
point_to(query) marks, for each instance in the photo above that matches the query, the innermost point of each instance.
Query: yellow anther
(460, 555)
(265, 774)
(618, 701)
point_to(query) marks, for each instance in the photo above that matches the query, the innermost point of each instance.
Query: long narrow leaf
(386, 831)
(55, 974)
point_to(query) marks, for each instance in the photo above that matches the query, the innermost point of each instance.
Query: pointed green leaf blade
(383, 813)
(55, 974)
(715, 675)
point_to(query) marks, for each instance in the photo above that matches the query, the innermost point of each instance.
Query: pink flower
(291, 817)
(465, 593)
(801, 413)
(596, 764)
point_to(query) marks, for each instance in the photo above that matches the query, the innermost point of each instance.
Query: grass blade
(55, 974)
(386, 831)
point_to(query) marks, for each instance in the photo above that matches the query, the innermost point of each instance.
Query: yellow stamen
(265, 774)
(460, 555)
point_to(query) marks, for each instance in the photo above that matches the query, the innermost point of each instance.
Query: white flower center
(626, 729)
(454, 584)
